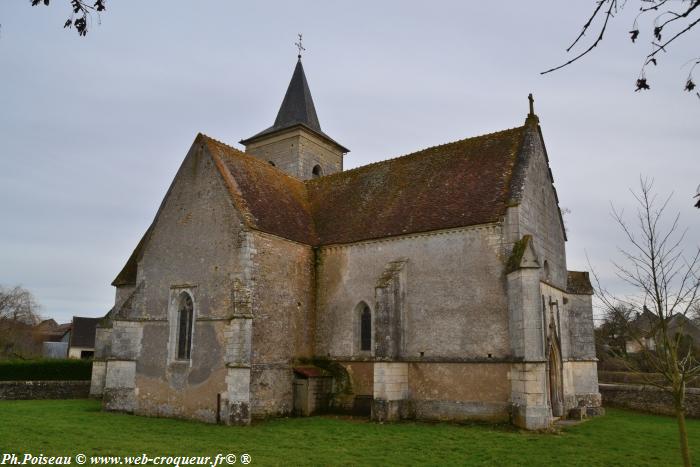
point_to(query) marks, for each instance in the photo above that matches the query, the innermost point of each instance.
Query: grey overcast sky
(93, 129)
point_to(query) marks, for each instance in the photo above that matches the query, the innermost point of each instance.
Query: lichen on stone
(516, 255)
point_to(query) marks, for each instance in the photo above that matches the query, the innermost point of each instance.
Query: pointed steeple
(297, 110)
(298, 105)
(295, 143)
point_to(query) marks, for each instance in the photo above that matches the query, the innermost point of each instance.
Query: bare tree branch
(82, 13)
(608, 15)
(607, 9)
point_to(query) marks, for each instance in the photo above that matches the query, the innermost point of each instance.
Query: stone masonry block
(120, 374)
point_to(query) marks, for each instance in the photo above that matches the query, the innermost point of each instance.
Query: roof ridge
(411, 154)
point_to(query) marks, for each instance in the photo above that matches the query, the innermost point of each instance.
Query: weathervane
(299, 46)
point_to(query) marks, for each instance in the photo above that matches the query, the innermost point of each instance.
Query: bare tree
(669, 22)
(613, 330)
(18, 316)
(695, 315)
(18, 304)
(666, 284)
(82, 13)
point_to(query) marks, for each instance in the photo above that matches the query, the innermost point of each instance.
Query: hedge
(45, 370)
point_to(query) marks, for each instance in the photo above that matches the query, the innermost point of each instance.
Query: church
(431, 286)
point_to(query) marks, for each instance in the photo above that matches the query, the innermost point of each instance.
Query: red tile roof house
(432, 285)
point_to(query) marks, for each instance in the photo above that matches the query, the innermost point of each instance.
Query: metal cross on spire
(299, 46)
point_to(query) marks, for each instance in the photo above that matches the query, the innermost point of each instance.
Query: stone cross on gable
(299, 46)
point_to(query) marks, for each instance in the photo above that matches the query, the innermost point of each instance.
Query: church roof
(468, 182)
(453, 185)
(269, 199)
(463, 183)
(579, 283)
(297, 110)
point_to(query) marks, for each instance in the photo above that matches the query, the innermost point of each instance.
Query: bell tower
(295, 143)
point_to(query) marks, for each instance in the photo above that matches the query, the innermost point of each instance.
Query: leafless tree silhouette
(671, 20)
(666, 284)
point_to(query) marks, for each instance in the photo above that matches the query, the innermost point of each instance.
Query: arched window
(365, 329)
(316, 171)
(185, 315)
(546, 269)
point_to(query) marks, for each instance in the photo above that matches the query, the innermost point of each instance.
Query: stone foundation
(459, 411)
(390, 391)
(119, 390)
(529, 396)
(238, 397)
(97, 384)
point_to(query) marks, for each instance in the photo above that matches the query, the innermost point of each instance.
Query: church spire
(297, 109)
(295, 142)
(298, 105)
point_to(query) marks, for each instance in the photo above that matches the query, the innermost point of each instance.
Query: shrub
(47, 369)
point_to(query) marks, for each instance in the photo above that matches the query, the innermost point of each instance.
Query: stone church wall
(455, 299)
(459, 391)
(537, 215)
(196, 245)
(580, 312)
(283, 321)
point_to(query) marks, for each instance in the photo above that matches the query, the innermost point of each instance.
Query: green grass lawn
(78, 426)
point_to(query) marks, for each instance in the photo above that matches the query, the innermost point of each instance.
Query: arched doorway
(556, 393)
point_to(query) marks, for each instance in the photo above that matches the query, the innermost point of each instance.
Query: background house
(645, 327)
(82, 337)
(54, 338)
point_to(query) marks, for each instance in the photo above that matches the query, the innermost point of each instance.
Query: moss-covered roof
(467, 182)
(269, 199)
(578, 283)
(453, 185)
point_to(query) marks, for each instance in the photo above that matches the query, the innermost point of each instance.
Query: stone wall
(538, 212)
(455, 303)
(529, 395)
(196, 245)
(283, 321)
(197, 242)
(580, 329)
(16, 390)
(482, 392)
(648, 399)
